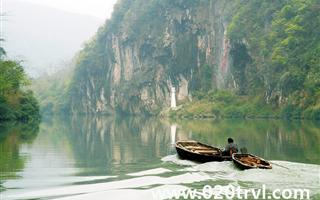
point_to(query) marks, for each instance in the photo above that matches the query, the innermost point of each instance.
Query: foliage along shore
(16, 103)
(223, 104)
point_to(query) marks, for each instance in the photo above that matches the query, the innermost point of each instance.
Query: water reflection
(273, 139)
(11, 136)
(117, 145)
(78, 150)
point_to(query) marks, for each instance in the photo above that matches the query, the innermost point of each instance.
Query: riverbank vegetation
(16, 103)
(51, 92)
(224, 104)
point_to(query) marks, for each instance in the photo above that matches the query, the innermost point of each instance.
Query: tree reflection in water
(11, 136)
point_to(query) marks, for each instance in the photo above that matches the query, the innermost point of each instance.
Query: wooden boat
(196, 151)
(249, 161)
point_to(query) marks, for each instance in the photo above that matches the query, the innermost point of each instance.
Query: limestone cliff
(148, 47)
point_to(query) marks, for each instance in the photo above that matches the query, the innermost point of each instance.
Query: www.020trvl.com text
(231, 192)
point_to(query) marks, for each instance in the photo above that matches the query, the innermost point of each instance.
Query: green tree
(15, 103)
(12, 76)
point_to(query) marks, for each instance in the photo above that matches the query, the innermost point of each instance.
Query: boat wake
(176, 160)
(283, 174)
(143, 184)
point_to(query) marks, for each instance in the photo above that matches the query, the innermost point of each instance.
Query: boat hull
(257, 162)
(184, 153)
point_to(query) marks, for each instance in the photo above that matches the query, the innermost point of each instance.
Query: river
(131, 158)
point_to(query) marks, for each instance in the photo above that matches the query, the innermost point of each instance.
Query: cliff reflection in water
(118, 145)
(66, 149)
(77, 151)
(106, 145)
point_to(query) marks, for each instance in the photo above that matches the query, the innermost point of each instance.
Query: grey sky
(46, 34)
(98, 8)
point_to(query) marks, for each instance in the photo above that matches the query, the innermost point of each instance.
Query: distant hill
(44, 37)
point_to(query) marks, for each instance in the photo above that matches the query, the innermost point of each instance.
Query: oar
(280, 165)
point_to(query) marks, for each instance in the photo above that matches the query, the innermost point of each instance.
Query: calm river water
(130, 158)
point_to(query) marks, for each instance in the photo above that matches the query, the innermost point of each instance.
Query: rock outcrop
(143, 51)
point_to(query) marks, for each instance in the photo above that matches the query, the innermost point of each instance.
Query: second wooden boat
(249, 161)
(196, 151)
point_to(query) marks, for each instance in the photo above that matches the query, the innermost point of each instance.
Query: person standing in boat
(230, 148)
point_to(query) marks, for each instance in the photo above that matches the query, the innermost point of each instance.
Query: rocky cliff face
(147, 48)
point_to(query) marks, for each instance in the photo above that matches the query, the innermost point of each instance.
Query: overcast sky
(97, 8)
